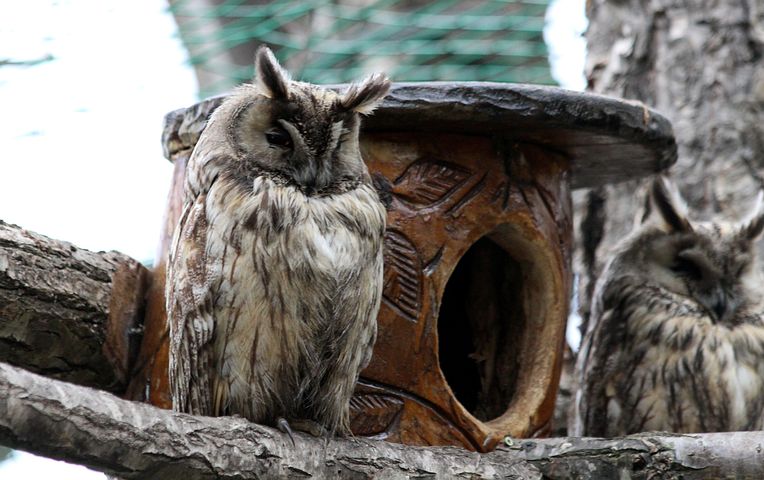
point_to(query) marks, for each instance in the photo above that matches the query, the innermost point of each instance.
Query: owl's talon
(283, 425)
(310, 426)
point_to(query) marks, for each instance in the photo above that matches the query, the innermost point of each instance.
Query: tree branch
(66, 312)
(649, 455)
(135, 440)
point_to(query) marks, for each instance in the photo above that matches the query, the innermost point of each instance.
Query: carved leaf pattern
(403, 269)
(427, 182)
(372, 414)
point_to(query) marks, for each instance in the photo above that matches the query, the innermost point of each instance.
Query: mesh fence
(340, 41)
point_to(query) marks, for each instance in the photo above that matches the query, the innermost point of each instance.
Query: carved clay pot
(477, 251)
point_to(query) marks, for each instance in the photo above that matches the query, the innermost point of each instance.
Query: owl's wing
(598, 360)
(375, 287)
(191, 281)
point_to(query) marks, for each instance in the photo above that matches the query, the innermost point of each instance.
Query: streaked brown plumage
(275, 273)
(676, 337)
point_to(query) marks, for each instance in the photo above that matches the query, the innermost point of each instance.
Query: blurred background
(339, 41)
(85, 84)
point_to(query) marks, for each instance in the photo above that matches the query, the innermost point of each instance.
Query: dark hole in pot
(480, 327)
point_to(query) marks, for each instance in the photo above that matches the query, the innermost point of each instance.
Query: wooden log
(136, 440)
(69, 313)
(649, 456)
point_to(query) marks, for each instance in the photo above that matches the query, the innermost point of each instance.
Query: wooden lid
(608, 140)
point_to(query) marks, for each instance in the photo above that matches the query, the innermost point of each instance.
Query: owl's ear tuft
(665, 204)
(270, 77)
(752, 227)
(364, 97)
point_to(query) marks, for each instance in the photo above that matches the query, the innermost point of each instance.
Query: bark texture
(699, 63)
(66, 312)
(135, 440)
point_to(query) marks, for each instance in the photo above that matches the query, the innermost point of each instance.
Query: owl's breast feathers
(656, 361)
(285, 289)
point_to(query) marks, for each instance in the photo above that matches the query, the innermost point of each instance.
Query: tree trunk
(697, 62)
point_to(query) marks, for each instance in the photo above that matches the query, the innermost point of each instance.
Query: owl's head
(300, 133)
(710, 263)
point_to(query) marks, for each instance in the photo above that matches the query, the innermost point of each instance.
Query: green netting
(340, 41)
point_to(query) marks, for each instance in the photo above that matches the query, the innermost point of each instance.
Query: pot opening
(480, 328)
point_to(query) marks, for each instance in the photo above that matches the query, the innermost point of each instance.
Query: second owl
(676, 337)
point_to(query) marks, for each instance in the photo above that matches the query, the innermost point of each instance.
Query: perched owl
(676, 337)
(275, 272)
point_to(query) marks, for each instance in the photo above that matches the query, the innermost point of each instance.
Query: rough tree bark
(66, 312)
(699, 63)
(135, 440)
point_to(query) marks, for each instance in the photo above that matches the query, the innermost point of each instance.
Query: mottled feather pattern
(190, 301)
(303, 264)
(275, 274)
(665, 350)
(657, 362)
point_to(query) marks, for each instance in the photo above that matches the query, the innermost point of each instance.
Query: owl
(676, 337)
(274, 275)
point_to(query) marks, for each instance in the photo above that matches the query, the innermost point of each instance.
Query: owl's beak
(308, 170)
(309, 173)
(721, 304)
(304, 167)
(719, 308)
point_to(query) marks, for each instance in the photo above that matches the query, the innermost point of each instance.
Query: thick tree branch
(135, 440)
(66, 312)
(649, 456)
